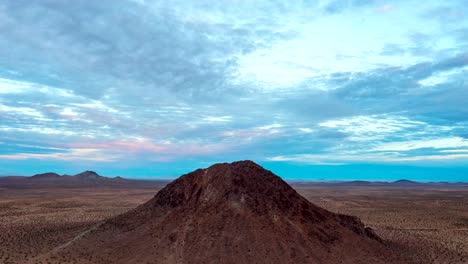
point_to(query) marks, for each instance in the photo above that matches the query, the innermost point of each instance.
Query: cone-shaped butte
(228, 213)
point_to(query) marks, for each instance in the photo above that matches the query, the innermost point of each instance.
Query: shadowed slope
(228, 213)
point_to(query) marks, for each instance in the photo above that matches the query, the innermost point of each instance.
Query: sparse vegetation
(35, 222)
(428, 224)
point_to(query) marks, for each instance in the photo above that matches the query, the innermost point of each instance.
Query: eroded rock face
(228, 213)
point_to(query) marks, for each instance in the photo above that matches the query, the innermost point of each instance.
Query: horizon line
(293, 180)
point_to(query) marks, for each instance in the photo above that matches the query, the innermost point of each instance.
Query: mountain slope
(227, 213)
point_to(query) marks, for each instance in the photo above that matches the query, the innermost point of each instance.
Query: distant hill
(407, 183)
(93, 177)
(47, 175)
(88, 175)
(398, 183)
(83, 179)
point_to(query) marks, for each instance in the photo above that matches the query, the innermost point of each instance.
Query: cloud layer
(136, 86)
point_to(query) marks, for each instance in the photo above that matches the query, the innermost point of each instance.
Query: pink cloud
(72, 154)
(182, 149)
(123, 146)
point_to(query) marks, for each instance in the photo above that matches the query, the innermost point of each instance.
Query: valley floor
(428, 224)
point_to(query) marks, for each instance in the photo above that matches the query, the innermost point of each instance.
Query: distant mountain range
(84, 179)
(93, 179)
(398, 183)
(86, 176)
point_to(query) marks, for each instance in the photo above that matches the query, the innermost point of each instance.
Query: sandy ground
(428, 224)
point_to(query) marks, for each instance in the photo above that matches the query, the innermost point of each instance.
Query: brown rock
(228, 213)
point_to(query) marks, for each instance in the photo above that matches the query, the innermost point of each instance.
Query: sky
(319, 90)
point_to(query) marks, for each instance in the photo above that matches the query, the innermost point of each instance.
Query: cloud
(150, 46)
(27, 111)
(338, 6)
(70, 155)
(217, 118)
(367, 128)
(316, 159)
(137, 82)
(382, 138)
(437, 143)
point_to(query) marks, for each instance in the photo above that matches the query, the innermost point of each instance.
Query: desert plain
(425, 224)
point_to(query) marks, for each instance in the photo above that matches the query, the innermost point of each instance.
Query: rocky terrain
(227, 213)
(105, 224)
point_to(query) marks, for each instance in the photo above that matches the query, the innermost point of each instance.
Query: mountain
(93, 177)
(360, 183)
(84, 179)
(404, 182)
(88, 175)
(227, 213)
(47, 175)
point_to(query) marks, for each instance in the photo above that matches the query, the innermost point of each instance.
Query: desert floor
(429, 224)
